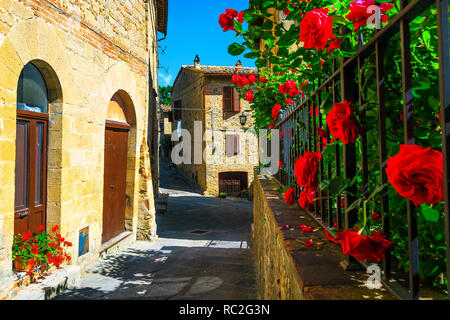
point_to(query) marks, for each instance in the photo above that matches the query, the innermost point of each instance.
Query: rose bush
(295, 56)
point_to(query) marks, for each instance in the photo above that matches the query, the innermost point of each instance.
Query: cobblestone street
(203, 252)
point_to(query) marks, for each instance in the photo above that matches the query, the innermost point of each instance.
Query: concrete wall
(84, 65)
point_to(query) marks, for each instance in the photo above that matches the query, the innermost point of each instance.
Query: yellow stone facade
(201, 92)
(86, 51)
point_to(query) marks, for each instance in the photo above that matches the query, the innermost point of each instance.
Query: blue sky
(193, 28)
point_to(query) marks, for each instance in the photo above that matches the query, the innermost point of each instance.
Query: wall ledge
(289, 270)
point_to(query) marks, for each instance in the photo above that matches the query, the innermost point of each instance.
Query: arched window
(32, 90)
(31, 151)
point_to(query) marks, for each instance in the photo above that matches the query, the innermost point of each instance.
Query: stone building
(205, 94)
(78, 97)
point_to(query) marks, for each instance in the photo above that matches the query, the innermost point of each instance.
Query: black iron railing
(300, 123)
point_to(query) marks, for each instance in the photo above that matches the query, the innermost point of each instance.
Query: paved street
(202, 253)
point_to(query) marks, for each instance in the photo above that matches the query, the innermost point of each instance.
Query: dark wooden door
(232, 183)
(31, 172)
(114, 198)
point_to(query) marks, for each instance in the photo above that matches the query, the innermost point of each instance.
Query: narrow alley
(203, 253)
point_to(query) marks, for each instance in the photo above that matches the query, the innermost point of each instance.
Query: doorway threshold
(118, 243)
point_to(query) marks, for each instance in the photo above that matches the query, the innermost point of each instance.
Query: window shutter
(227, 99)
(229, 146)
(236, 101)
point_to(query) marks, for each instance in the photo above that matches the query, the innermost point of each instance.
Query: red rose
(342, 123)
(321, 133)
(316, 29)
(271, 126)
(289, 196)
(290, 87)
(306, 198)
(276, 111)
(263, 80)
(235, 79)
(226, 20)
(309, 243)
(306, 168)
(242, 81)
(376, 216)
(336, 44)
(289, 101)
(252, 79)
(240, 17)
(280, 164)
(249, 96)
(417, 174)
(330, 237)
(362, 248)
(359, 12)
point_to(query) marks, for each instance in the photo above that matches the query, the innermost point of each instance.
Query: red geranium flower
(359, 13)
(306, 168)
(417, 174)
(276, 111)
(342, 123)
(316, 29)
(55, 228)
(289, 196)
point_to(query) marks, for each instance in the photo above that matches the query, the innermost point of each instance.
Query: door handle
(24, 214)
(113, 186)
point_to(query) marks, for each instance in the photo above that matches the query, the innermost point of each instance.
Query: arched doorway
(31, 151)
(117, 130)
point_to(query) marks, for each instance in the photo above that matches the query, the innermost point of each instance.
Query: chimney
(197, 62)
(239, 64)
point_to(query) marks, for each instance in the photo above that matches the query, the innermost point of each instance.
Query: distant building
(206, 94)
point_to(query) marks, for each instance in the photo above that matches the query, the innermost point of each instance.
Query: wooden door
(31, 172)
(114, 197)
(232, 183)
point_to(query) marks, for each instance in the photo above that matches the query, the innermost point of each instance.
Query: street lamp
(243, 119)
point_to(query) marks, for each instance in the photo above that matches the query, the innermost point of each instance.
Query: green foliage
(288, 60)
(165, 95)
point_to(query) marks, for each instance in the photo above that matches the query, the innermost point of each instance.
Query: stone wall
(87, 51)
(275, 270)
(286, 269)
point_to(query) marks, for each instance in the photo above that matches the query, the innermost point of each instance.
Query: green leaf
(236, 49)
(430, 214)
